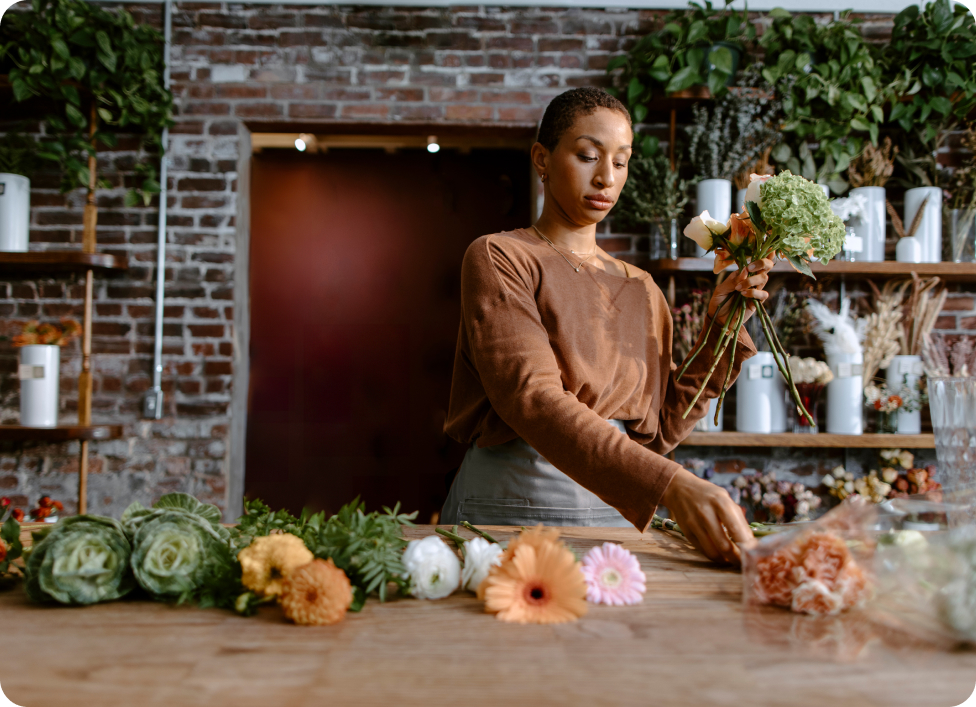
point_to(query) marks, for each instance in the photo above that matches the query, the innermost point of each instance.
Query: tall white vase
(845, 395)
(714, 196)
(39, 374)
(870, 225)
(929, 231)
(707, 423)
(904, 371)
(14, 212)
(760, 396)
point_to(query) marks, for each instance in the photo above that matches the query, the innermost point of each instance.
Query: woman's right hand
(708, 517)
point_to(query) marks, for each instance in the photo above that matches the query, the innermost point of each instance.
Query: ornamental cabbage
(798, 215)
(82, 560)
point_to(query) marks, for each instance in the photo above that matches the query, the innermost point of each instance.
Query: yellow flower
(316, 594)
(269, 559)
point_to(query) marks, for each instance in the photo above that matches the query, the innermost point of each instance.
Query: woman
(563, 380)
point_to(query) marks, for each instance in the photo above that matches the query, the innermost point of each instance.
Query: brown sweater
(547, 354)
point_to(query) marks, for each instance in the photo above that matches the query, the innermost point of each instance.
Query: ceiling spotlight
(432, 145)
(300, 144)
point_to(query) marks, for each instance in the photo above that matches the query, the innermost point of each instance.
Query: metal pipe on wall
(153, 402)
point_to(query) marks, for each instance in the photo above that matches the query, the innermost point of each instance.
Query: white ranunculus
(434, 569)
(703, 228)
(479, 557)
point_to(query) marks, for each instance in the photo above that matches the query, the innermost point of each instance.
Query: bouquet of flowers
(786, 216)
(769, 500)
(882, 399)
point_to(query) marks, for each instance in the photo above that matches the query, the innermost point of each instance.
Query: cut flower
(434, 569)
(613, 576)
(269, 559)
(703, 228)
(316, 594)
(539, 581)
(479, 557)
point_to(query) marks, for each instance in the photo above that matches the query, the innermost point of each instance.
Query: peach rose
(742, 229)
(824, 556)
(774, 582)
(814, 597)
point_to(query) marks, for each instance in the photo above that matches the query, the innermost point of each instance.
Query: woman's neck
(581, 239)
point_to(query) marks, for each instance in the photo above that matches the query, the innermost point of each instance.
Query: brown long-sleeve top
(548, 354)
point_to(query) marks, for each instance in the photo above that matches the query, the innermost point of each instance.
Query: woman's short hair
(565, 108)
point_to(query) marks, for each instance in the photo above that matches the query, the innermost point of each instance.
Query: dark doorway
(355, 279)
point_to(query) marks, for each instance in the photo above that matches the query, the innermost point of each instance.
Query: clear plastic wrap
(820, 568)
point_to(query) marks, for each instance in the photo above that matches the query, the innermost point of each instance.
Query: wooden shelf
(63, 433)
(824, 440)
(950, 272)
(58, 261)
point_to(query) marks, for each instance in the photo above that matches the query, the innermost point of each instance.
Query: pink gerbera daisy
(613, 576)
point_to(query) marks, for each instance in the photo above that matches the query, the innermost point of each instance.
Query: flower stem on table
(486, 536)
(453, 537)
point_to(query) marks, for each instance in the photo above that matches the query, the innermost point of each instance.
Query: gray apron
(511, 484)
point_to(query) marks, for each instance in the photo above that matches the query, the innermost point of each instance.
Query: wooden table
(690, 643)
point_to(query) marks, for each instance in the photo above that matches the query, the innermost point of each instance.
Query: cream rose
(703, 229)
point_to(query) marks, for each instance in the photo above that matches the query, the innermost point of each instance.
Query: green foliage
(368, 547)
(259, 520)
(699, 45)
(82, 560)
(799, 218)
(85, 59)
(833, 91)
(10, 535)
(653, 193)
(931, 63)
(18, 154)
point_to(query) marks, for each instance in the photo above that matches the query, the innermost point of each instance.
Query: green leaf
(697, 31)
(778, 13)
(101, 38)
(105, 115)
(634, 89)
(931, 76)
(860, 124)
(74, 115)
(683, 79)
(21, 91)
(873, 129)
(941, 104)
(721, 59)
(870, 91)
(76, 67)
(878, 113)
(107, 60)
(617, 61)
(755, 215)
(801, 265)
(640, 112)
(60, 48)
(716, 82)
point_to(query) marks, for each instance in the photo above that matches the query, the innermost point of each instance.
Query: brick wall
(279, 67)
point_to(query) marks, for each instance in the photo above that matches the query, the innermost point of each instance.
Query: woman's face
(588, 168)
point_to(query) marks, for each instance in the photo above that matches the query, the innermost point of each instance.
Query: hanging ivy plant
(104, 74)
(833, 92)
(931, 63)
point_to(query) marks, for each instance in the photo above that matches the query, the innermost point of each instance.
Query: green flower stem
(718, 357)
(784, 367)
(728, 374)
(659, 523)
(454, 537)
(486, 536)
(723, 342)
(693, 354)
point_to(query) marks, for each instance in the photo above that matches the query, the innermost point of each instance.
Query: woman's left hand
(748, 282)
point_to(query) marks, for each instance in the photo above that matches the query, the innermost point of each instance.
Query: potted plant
(654, 196)
(700, 45)
(17, 162)
(831, 83)
(931, 65)
(100, 70)
(868, 173)
(39, 370)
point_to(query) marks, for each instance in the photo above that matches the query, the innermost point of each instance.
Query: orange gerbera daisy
(316, 594)
(539, 581)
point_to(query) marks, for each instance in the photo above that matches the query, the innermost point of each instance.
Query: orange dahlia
(316, 594)
(539, 581)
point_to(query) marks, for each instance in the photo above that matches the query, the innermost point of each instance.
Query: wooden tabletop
(690, 643)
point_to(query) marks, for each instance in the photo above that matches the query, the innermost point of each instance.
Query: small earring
(544, 177)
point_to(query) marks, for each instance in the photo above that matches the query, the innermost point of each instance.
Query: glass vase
(887, 422)
(810, 397)
(952, 402)
(959, 235)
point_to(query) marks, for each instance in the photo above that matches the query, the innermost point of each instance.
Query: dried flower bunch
(810, 370)
(882, 329)
(688, 320)
(874, 166)
(35, 333)
(841, 484)
(653, 193)
(899, 226)
(882, 399)
(898, 478)
(946, 357)
(768, 500)
(849, 207)
(923, 303)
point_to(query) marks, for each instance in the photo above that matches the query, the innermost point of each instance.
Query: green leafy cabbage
(82, 560)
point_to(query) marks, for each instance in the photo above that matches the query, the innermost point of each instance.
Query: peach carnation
(814, 597)
(824, 556)
(316, 594)
(852, 586)
(775, 577)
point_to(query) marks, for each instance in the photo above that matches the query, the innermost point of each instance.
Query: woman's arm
(511, 351)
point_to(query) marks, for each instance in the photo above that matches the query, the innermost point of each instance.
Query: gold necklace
(553, 246)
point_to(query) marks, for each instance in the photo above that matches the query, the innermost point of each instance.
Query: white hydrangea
(434, 569)
(479, 557)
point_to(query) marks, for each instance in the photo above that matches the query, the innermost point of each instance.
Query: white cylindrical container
(845, 395)
(930, 229)
(904, 372)
(14, 212)
(826, 190)
(39, 373)
(909, 250)
(715, 197)
(760, 396)
(707, 423)
(740, 200)
(870, 224)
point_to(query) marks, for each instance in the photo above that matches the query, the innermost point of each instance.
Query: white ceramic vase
(845, 395)
(904, 371)
(909, 250)
(870, 224)
(39, 374)
(14, 212)
(929, 231)
(714, 196)
(760, 404)
(707, 423)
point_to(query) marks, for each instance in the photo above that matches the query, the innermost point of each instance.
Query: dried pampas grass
(882, 330)
(923, 303)
(943, 357)
(837, 332)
